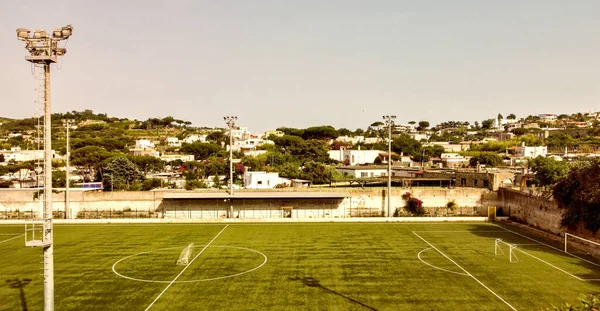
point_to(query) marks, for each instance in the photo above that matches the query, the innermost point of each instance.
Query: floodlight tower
(389, 122)
(44, 50)
(230, 120)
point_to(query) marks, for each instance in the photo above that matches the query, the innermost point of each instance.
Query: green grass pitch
(300, 266)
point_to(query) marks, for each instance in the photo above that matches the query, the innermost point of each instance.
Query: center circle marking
(189, 281)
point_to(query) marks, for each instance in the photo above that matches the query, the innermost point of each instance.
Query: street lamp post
(68, 172)
(389, 122)
(44, 50)
(230, 121)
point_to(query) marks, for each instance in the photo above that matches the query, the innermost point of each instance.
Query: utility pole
(44, 50)
(230, 121)
(67, 173)
(389, 122)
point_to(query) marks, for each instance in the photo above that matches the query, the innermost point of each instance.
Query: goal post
(491, 213)
(186, 255)
(499, 243)
(580, 240)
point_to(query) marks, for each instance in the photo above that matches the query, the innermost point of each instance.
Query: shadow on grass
(20, 284)
(312, 282)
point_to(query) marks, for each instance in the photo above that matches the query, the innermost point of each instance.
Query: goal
(577, 246)
(186, 255)
(499, 245)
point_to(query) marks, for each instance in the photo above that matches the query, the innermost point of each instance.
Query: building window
(259, 182)
(463, 181)
(364, 174)
(475, 182)
(486, 183)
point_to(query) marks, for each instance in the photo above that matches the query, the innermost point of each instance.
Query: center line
(180, 273)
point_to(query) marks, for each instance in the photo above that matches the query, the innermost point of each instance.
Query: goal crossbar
(511, 250)
(568, 235)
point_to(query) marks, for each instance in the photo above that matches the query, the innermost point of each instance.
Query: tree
(89, 159)
(548, 171)
(200, 150)
(345, 132)
(376, 124)
(423, 125)
(412, 205)
(412, 122)
(486, 158)
(511, 116)
(1, 157)
(405, 144)
(320, 132)
(217, 137)
(578, 193)
(487, 124)
(147, 163)
(120, 174)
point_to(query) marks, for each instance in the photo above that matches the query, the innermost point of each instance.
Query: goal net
(580, 247)
(186, 255)
(501, 246)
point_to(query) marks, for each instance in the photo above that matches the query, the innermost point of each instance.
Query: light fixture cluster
(42, 44)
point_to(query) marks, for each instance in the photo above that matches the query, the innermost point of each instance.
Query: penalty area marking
(436, 267)
(190, 281)
(467, 272)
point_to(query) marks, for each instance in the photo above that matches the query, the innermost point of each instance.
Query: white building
(548, 117)
(355, 157)
(263, 180)
(363, 171)
(351, 139)
(144, 144)
(372, 140)
(173, 142)
(531, 152)
(240, 133)
(173, 157)
(194, 138)
(419, 136)
(452, 160)
(18, 155)
(250, 144)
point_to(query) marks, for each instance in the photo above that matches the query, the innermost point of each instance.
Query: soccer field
(302, 266)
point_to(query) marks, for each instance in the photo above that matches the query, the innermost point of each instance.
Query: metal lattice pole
(389, 121)
(49, 247)
(44, 50)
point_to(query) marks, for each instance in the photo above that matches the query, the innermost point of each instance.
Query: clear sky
(300, 63)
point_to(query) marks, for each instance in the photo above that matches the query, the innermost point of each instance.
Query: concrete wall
(367, 202)
(536, 211)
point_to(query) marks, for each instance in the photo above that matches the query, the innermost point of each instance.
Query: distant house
(363, 171)
(355, 157)
(194, 138)
(531, 152)
(143, 143)
(264, 180)
(173, 142)
(453, 160)
(547, 117)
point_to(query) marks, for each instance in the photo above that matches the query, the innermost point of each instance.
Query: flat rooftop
(256, 195)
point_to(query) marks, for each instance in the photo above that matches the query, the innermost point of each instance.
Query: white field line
(467, 272)
(16, 237)
(552, 247)
(436, 267)
(180, 273)
(457, 231)
(551, 265)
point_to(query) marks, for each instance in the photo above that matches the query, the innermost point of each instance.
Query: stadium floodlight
(57, 33)
(67, 31)
(23, 33)
(230, 121)
(389, 122)
(40, 34)
(43, 51)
